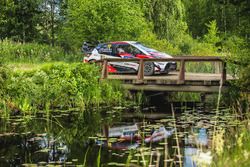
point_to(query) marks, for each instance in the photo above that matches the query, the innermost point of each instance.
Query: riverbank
(27, 89)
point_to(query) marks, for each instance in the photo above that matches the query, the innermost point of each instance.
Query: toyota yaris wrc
(127, 50)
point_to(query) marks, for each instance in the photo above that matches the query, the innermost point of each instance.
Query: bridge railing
(182, 68)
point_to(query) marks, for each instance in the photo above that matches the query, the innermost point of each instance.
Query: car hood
(159, 55)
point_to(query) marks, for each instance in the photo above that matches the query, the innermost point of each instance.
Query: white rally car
(126, 50)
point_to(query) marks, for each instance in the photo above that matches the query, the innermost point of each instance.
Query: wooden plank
(174, 88)
(173, 76)
(208, 82)
(176, 58)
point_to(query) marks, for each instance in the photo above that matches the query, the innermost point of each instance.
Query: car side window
(105, 49)
(136, 51)
(126, 48)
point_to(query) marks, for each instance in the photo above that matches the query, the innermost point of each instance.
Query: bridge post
(224, 72)
(104, 69)
(182, 72)
(105, 130)
(140, 75)
(217, 67)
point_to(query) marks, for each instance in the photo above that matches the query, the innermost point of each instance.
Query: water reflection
(45, 140)
(196, 148)
(80, 139)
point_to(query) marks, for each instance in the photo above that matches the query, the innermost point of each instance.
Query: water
(72, 139)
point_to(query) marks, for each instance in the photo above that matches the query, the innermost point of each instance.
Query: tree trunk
(52, 16)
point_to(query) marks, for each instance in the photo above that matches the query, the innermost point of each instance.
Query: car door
(126, 54)
(107, 51)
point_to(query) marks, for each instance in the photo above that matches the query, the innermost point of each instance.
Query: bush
(237, 52)
(150, 39)
(204, 49)
(5, 75)
(33, 52)
(61, 85)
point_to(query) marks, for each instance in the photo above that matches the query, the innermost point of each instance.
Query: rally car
(126, 50)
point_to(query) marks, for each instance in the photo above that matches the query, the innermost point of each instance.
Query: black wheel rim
(148, 68)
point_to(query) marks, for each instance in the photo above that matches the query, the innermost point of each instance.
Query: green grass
(24, 67)
(34, 53)
(237, 149)
(31, 87)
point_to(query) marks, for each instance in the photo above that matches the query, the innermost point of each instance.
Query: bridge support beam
(174, 88)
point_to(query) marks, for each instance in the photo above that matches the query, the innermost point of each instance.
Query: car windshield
(147, 49)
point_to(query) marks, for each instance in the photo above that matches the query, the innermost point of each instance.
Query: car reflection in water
(47, 148)
(196, 148)
(128, 137)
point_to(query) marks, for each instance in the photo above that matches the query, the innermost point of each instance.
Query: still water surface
(71, 139)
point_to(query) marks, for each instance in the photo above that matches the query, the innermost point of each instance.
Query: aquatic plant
(85, 157)
(237, 148)
(99, 157)
(176, 137)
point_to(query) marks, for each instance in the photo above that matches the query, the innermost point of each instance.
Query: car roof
(122, 42)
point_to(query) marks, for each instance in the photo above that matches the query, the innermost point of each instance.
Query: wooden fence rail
(181, 59)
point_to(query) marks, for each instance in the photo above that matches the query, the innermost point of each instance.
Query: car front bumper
(171, 66)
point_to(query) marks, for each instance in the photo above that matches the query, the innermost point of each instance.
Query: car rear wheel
(148, 68)
(92, 61)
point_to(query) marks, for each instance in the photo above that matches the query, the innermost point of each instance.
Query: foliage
(164, 24)
(31, 20)
(190, 27)
(5, 75)
(237, 152)
(67, 22)
(212, 36)
(32, 52)
(209, 46)
(18, 19)
(244, 81)
(204, 49)
(150, 39)
(237, 52)
(60, 85)
(185, 97)
(231, 16)
(167, 18)
(104, 20)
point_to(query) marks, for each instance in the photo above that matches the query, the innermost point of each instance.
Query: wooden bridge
(177, 81)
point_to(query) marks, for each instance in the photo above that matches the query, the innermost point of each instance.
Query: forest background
(46, 30)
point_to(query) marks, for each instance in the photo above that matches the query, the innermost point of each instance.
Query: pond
(165, 138)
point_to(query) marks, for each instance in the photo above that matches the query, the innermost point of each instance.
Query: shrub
(61, 85)
(5, 75)
(150, 39)
(33, 52)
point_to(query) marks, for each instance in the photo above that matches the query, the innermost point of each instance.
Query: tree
(104, 20)
(168, 18)
(52, 17)
(212, 36)
(18, 19)
(232, 16)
